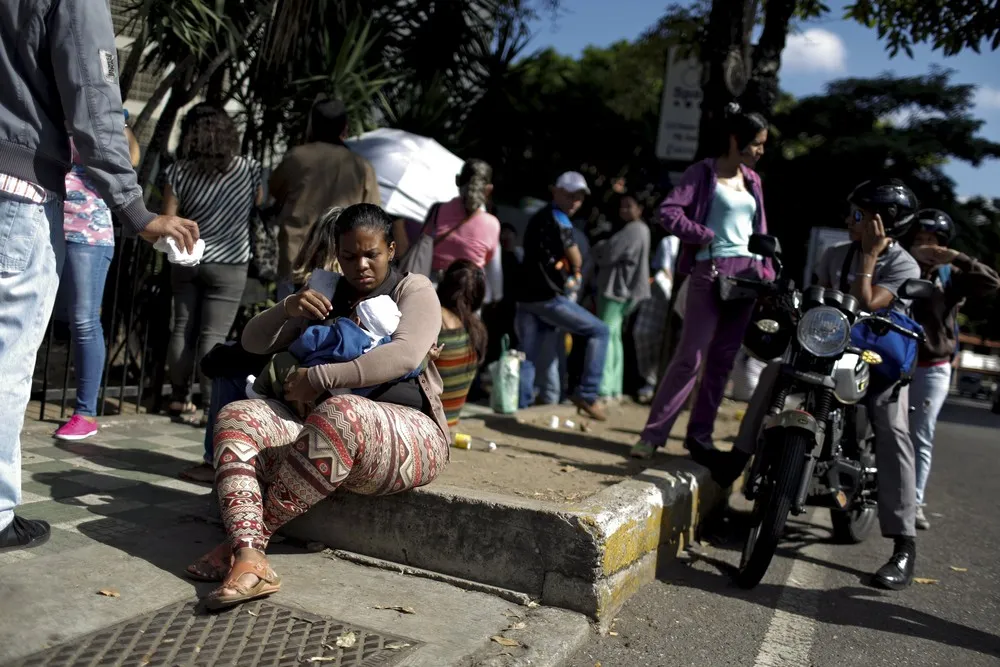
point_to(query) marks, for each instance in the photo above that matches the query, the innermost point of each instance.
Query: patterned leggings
(269, 468)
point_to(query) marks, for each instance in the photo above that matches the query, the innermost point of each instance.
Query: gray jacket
(623, 264)
(59, 69)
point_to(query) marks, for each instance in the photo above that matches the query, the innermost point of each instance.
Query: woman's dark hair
(364, 216)
(327, 121)
(744, 127)
(462, 290)
(319, 250)
(475, 177)
(208, 138)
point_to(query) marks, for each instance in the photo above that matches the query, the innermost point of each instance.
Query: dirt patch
(565, 464)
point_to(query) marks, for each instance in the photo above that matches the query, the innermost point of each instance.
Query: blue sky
(824, 50)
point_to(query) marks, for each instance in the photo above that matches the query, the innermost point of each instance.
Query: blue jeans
(928, 392)
(32, 249)
(83, 287)
(540, 326)
(225, 390)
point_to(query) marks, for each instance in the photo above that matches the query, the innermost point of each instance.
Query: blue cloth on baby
(342, 340)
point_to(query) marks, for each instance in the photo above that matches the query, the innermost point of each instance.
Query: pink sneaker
(77, 428)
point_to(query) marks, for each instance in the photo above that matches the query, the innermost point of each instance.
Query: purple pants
(712, 334)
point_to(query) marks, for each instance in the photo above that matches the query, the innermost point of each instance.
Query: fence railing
(135, 316)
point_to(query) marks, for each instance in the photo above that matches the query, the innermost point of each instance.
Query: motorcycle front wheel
(782, 477)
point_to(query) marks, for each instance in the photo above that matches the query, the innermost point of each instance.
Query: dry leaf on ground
(531, 604)
(520, 625)
(109, 593)
(347, 640)
(400, 609)
(395, 646)
(924, 580)
(959, 569)
(612, 634)
(504, 641)
(510, 613)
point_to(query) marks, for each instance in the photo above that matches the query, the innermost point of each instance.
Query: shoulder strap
(430, 225)
(845, 286)
(451, 231)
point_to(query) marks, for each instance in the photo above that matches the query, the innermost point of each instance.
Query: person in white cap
(552, 268)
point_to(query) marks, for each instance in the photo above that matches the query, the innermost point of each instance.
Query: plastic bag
(506, 375)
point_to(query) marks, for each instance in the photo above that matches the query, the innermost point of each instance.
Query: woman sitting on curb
(272, 465)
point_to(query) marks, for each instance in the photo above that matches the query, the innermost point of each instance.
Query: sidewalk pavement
(108, 587)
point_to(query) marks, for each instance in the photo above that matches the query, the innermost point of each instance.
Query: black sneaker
(24, 534)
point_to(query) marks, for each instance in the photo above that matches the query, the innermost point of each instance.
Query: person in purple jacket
(714, 210)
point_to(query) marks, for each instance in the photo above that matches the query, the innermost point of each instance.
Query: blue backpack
(898, 352)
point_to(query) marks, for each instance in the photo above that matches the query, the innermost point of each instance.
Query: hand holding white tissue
(167, 244)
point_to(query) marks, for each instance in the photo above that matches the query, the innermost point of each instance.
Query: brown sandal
(268, 583)
(203, 473)
(208, 568)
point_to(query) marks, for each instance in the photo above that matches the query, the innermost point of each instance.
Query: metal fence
(135, 315)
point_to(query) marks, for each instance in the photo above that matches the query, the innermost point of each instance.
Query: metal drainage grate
(257, 634)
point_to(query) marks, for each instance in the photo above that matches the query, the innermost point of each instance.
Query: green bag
(506, 375)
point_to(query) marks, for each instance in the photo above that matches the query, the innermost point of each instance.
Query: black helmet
(892, 200)
(937, 222)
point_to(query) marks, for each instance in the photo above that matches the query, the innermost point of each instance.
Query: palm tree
(418, 64)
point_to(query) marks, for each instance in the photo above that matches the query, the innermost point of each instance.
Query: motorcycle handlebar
(889, 324)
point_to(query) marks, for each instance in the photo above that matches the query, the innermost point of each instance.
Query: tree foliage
(948, 26)
(422, 65)
(903, 127)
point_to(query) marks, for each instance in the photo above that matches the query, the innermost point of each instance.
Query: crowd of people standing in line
(378, 420)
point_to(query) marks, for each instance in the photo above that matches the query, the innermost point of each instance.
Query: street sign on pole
(680, 109)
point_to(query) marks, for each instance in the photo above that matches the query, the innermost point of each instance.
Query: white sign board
(821, 238)
(680, 109)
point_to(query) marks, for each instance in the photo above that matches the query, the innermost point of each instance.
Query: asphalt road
(815, 606)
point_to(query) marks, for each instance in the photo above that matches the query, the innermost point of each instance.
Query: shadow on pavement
(854, 607)
(969, 413)
(167, 527)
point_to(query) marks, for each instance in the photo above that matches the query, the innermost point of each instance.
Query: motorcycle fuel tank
(850, 378)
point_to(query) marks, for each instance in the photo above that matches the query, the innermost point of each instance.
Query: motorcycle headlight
(824, 332)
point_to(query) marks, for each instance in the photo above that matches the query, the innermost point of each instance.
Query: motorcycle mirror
(765, 245)
(916, 289)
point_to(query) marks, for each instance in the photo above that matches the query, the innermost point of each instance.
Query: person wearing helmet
(956, 277)
(873, 267)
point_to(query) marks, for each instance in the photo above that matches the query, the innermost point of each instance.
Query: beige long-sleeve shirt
(419, 326)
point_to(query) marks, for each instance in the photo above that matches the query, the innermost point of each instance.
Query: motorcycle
(816, 446)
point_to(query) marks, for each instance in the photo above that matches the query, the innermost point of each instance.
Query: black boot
(897, 574)
(703, 453)
(729, 466)
(24, 534)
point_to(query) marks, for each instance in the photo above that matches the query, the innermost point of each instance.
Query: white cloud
(987, 97)
(815, 50)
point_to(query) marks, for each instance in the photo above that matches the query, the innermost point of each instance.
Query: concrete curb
(589, 557)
